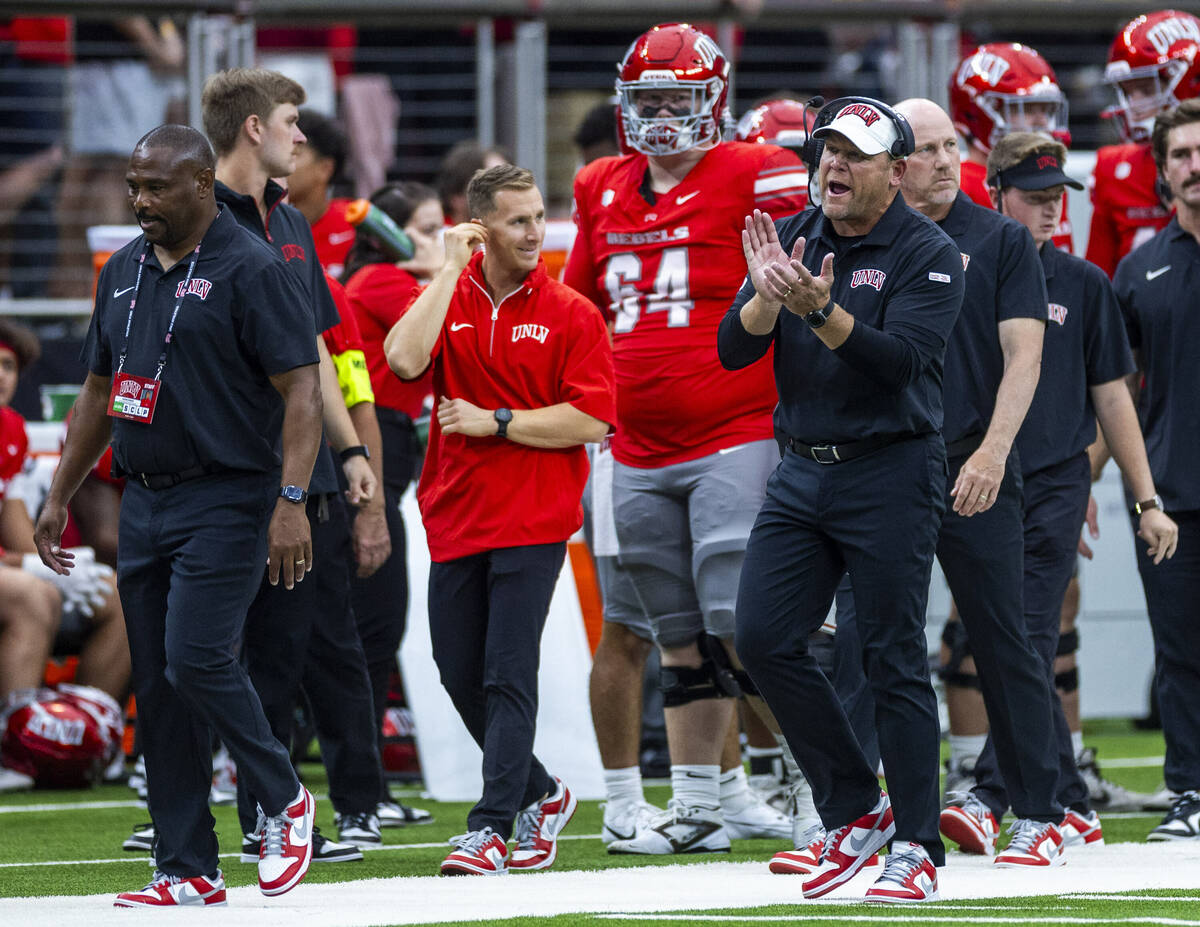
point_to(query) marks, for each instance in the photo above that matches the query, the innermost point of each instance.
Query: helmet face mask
(671, 90)
(1006, 87)
(1161, 49)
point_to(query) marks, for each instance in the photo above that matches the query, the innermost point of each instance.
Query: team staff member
(1156, 288)
(1085, 359)
(250, 115)
(523, 374)
(991, 371)
(202, 366)
(871, 291)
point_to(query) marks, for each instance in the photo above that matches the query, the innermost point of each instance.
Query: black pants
(1055, 500)
(878, 517)
(381, 599)
(983, 559)
(189, 561)
(306, 636)
(486, 614)
(1173, 600)
(840, 658)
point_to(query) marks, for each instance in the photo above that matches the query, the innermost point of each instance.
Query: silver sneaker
(622, 820)
(1104, 795)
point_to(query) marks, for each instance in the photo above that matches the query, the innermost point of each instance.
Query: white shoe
(803, 812)
(772, 789)
(622, 820)
(13, 781)
(756, 819)
(679, 829)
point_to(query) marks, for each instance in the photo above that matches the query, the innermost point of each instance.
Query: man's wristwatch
(355, 450)
(1154, 502)
(819, 317)
(293, 494)
(503, 417)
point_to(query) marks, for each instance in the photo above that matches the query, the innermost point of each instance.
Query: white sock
(735, 790)
(965, 747)
(624, 785)
(697, 785)
(1077, 742)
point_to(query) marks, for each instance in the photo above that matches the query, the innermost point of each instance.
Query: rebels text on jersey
(665, 272)
(1126, 209)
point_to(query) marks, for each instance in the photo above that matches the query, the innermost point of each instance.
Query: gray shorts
(682, 531)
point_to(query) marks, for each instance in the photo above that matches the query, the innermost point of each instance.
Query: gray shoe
(398, 814)
(960, 777)
(1103, 795)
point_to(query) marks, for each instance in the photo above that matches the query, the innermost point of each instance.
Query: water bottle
(365, 214)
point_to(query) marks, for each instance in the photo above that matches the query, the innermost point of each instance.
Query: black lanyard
(137, 286)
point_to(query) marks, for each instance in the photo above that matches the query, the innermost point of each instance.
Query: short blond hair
(231, 97)
(1015, 147)
(487, 182)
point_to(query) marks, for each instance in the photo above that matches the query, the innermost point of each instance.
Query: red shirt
(666, 273)
(377, 295)
(333, 237)
(542, 345)
(14, 446)
(973, 182)
(1126, 210)
(345, 336)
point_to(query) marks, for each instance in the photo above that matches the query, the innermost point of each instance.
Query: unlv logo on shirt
(537, 332)
(868, 277)
(197, 286)
(1057, 313)
(291, 252)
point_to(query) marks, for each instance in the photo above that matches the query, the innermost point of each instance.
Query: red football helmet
(672, 57)
(1162, 49)
(777, 122)
(1005, 87)
(63, 739)
(398, 749)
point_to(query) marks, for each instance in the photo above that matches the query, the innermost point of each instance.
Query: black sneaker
(398, 814)
(142, 838)
(1182, 821)
(360, 830)
(324, 850)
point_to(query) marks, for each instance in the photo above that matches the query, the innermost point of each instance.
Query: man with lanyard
(250, 116)
(523, 373)
(858, 299)
(1156, 288)
(1085, 360)
(202, 366)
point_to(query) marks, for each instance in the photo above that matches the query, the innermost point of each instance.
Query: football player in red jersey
(999, 88)
(659, 249)
(1154, 63)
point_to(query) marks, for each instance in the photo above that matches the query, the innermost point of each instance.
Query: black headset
(811, 153)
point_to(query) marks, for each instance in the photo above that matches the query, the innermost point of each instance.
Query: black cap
(1036, 172)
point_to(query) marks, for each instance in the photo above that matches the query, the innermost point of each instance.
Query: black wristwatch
(293, 494)
(503, 417)
(819, 317)
(355, 450)
(1154, 502)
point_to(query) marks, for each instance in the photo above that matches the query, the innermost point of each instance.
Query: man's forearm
(336, 418)
(1123, 435)
(301, 425)
(366, 424)
(556, 426)
(410, 342)
(1022, 368)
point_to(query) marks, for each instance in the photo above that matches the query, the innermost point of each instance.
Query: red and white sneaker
(848, 848)
(908, 876)
(1034, 844)
(802, 860)
(166, 891)
(480, 852)
(969, 823)
(1079, 829)
(538, 827)
(287, 845)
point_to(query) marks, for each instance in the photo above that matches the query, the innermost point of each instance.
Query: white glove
(84, 587)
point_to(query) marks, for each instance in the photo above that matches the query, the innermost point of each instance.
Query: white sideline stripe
(1132, 762)
(134, 857)
(711, 886)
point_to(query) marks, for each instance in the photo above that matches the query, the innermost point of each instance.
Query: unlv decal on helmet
(1004, 87)
(1163, 47)
(63, 738)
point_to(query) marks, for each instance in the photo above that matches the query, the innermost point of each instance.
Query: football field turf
(61, 863)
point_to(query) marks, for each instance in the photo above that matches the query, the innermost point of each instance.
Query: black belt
(840, 453)
(167, 480)
(964, 446)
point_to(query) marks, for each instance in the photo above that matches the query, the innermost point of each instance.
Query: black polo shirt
(1004, 281)
(243, 319)
(1157, 287)
(289, 232)
(903, 284)
(1085, 345)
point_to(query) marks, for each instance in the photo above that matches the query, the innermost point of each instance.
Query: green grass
(67, 838)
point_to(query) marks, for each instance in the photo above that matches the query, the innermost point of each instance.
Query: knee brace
(954, 636)
(1068, 643)
(713, 678)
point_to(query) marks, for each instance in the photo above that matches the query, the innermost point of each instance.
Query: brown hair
(1015, 147)
(485, 184)
(22, 340)
(1185, 112)
(231, 97)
